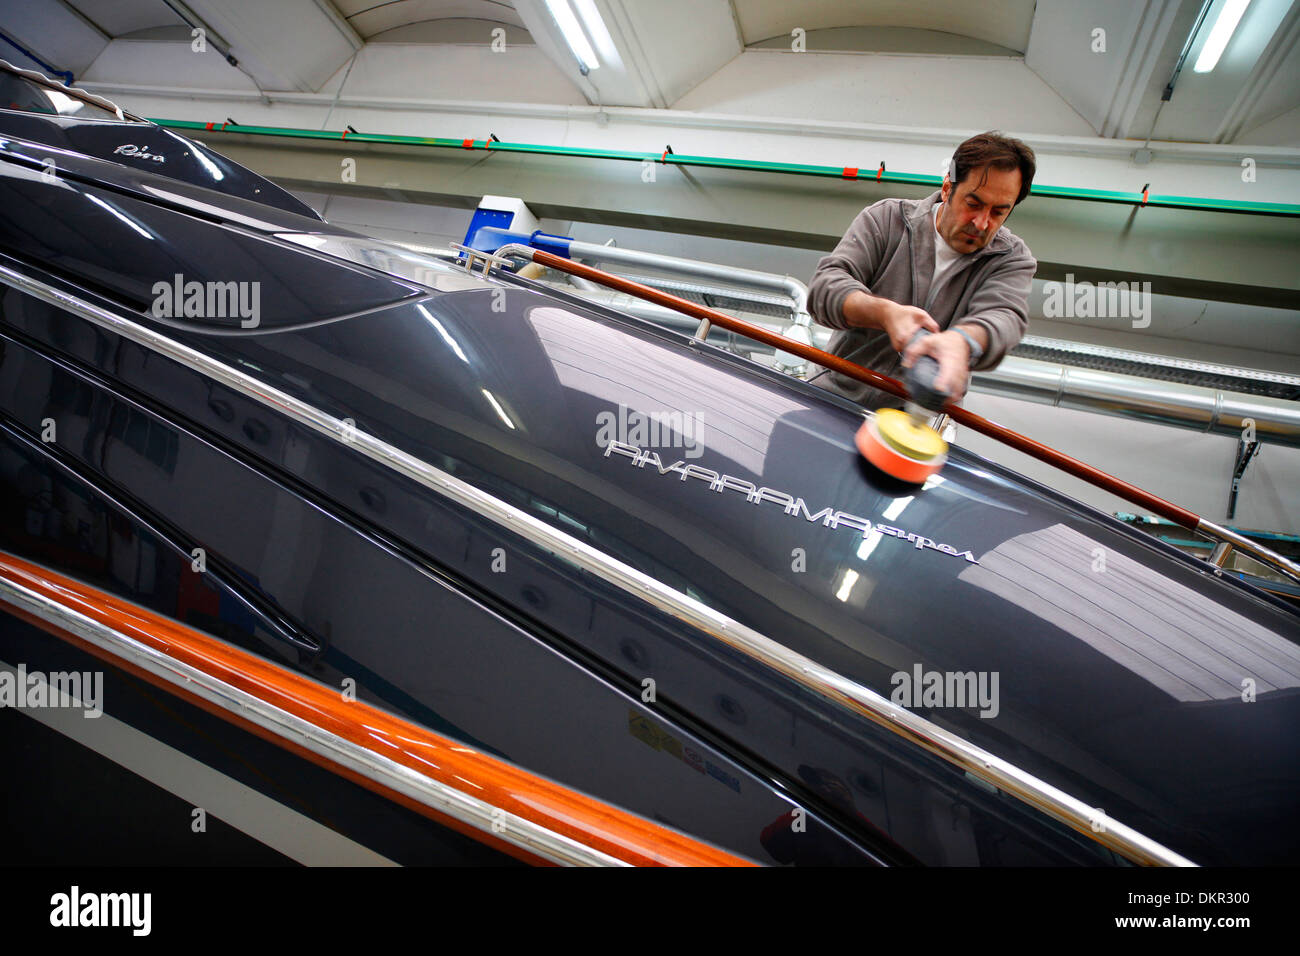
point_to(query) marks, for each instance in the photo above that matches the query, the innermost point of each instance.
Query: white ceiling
(372, 17)
(662, 54)
(1006, 23)
(118, 18)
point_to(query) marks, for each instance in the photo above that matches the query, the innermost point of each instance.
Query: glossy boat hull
(1121, 666)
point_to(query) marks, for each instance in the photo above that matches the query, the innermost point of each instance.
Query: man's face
(975, 208)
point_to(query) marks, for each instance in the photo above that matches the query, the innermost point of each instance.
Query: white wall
(908, 111)
(887, 90)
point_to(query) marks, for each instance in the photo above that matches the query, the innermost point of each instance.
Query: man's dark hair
(995, 151)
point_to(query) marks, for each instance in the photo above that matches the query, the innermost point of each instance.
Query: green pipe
(717, 162)
(1182, 543)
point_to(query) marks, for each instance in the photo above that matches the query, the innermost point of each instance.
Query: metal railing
(709, 317)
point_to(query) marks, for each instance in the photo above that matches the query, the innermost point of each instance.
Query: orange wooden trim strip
(284, 744)
(1051, 456)
(596, 824)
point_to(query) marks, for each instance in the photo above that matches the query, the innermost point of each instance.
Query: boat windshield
(20, 93)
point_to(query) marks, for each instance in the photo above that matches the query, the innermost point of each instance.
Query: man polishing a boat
(944, 264)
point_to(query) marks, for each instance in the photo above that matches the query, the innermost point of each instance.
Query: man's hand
(902, 322)
(899, 322)
(952, 352)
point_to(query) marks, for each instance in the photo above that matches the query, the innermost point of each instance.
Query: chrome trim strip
(1057, 804)
(454, 803)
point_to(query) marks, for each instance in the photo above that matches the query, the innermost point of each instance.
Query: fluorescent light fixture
(1222, 32)
(573, 35)
(598, 33)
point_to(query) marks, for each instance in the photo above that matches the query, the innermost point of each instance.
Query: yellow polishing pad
(901, 433)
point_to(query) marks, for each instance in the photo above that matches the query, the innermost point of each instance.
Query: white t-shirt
(945, 256)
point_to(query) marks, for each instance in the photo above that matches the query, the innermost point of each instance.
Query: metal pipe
(1175, 366)
(1242, 543)
(658, 314)
(1110, 393)
(745, 278)
(676, 159)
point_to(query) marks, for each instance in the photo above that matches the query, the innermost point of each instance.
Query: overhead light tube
(573, 35)
(1220, 34)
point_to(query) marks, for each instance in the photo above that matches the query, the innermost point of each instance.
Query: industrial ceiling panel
(1006, 24)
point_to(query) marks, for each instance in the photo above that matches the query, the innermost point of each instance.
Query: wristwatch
(976, 353)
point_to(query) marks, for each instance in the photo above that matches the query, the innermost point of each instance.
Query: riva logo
(74, 908)
(655, 429)
(208, 300)
(138, 152)
(34, 690)
(922, 688)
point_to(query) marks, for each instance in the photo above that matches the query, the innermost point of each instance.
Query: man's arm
(849, 267)
(952, 352)
(839, 295)
(1000, 309)
(998, 317)
(899, 322)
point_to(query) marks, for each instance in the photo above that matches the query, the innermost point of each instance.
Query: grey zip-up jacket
(889, 252)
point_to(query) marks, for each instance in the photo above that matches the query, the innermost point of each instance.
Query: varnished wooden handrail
(1035, 449)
